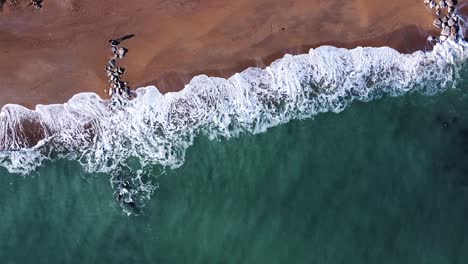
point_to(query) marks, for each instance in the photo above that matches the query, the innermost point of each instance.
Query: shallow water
(381, 182)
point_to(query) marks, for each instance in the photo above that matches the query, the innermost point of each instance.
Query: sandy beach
(48, 55)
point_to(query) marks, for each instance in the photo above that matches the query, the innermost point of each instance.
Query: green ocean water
(381, 182)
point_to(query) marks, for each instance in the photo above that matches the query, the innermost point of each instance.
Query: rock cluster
(37, 4)
(447, 21)
(115, 72)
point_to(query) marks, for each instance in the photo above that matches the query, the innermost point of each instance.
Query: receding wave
(131, 136)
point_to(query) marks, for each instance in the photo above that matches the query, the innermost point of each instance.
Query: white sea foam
(157, 129)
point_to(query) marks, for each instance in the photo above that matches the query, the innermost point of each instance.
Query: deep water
(381, 182)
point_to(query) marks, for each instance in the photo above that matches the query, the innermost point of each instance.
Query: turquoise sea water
(381, 182)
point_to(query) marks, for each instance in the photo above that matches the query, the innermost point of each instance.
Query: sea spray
(125, 139)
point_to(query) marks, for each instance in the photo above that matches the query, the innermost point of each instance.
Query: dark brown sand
(50, 54)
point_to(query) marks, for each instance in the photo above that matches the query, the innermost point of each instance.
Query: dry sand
(50, 54)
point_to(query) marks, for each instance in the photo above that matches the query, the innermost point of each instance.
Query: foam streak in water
(157, 129)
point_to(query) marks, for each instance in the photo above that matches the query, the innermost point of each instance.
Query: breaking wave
(131, 136)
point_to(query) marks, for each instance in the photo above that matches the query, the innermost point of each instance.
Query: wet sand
(49, 55)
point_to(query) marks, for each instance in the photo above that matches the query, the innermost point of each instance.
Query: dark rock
(451, 3)
(443, 4)
(453, 32)
(451, 22)
(437, 23)
(445, 31)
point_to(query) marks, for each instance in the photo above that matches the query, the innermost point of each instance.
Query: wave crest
(106, 136)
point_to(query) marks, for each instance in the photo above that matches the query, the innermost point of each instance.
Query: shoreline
(175, 81)
(177, 41)
(322, 86)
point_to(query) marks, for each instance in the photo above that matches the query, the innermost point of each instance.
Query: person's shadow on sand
(116, 42)
(124, 37)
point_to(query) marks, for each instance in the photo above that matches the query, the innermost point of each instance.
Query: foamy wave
(157, 129)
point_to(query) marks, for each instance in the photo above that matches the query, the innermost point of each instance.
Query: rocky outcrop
(447, 21)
